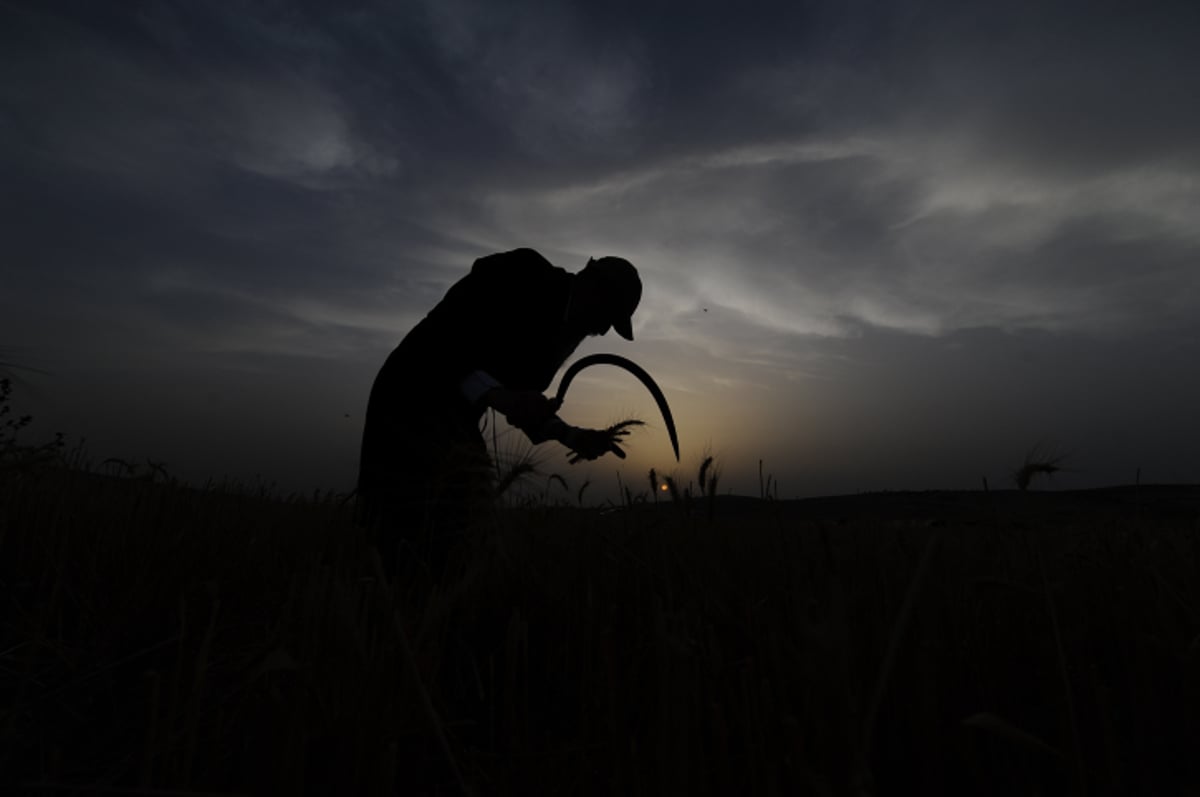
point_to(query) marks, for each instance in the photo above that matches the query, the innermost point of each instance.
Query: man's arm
(533, 414)
(584, 443)
(528, 410)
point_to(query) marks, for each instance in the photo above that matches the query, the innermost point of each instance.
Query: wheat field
(157, 637)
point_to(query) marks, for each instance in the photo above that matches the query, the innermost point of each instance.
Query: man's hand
(592, 444)
(524, 409)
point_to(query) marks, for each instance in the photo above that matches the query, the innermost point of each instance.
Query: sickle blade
(631, 367)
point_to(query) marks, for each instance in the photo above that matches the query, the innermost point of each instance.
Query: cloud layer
(293, 185)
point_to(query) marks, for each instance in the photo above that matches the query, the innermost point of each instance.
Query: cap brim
(624, 327)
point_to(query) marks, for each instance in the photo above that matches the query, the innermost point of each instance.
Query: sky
(884, 246)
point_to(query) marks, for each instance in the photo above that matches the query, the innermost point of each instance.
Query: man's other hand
(592, 444)
(524, 409)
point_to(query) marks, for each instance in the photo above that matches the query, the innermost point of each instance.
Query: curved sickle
(631, 367)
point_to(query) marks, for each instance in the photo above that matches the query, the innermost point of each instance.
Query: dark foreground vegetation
(155, 637)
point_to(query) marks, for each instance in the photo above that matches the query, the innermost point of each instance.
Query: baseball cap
(617, 281)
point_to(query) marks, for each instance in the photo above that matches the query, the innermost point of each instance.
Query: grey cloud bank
(884, 245)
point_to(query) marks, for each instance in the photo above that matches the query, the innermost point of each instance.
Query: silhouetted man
(496, 340)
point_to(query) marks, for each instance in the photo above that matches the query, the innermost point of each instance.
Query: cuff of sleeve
(476, 384)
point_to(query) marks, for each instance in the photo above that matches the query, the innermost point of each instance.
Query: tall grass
(157, 637)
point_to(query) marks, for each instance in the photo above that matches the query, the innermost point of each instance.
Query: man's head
(609, 291)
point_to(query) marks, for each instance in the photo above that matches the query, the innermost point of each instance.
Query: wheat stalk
(1035, 463)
